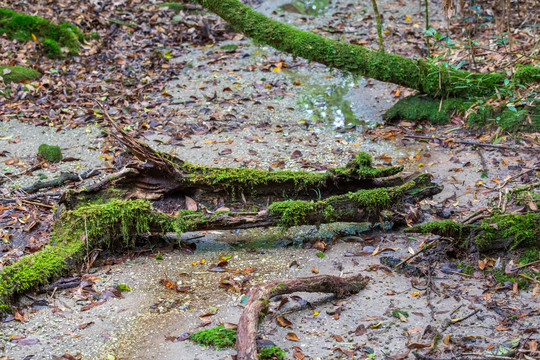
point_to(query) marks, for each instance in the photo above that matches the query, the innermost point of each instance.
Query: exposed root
(260, 296)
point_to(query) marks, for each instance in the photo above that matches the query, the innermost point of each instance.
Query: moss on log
(53, 37)
(428, 78)
(497, 232)
(18, 74)
(76, 231)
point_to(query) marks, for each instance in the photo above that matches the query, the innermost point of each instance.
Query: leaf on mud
(21, 340)
(501, 328)
(85, 325)
(200, 262)
(360, 330)
(225, 151)
(315, 270)
(297, 353)
(337, 337)
(19, 317)
(338, 313)
(296, 154)
(418, 346)
(320, 245)
(174, 339)
(191, 204)
(292, 337)
(282, 321)
(173, 285)
(92, 305)
(207, 315)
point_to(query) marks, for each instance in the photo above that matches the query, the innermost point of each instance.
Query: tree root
(260, 296)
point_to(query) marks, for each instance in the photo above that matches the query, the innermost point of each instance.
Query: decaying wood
(260, 296)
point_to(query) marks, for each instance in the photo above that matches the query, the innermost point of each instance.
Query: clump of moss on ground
(85, 227)
(271, 353)
(521, 230)
(425, 108)
(435, 111)
(18, 74)
(51, 153)
(53, 37)
(219, 337)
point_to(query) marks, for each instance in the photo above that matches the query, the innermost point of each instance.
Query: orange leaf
(292, 337)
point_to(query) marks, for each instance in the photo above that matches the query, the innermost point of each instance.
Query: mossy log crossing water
(422, 75)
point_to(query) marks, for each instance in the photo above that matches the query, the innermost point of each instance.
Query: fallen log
(260, 296)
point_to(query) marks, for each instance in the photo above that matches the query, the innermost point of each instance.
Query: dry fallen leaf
(292, 337)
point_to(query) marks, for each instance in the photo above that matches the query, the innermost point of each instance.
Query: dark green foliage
(53, 37)
(50, 153)
(527, 74)
(18, 74)
(272, 352)
(522, 229)
(425, 108)
(529, 256)
(220, 337)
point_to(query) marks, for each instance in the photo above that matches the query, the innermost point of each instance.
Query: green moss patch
(272, 353)
(53, 37)
(435, 111)
(219, 337)
(522, 229)
(51, 153)
(516, 230)
(18, 74)
(425, 108)
(76, 231)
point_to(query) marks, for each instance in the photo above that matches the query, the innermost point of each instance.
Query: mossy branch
(428, 78)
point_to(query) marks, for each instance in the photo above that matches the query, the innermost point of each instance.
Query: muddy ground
(303, 116)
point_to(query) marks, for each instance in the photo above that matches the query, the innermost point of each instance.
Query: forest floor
(185, 93)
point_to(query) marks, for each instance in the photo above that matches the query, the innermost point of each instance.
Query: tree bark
(260, 296)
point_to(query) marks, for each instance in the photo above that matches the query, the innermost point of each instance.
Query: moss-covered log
(53, 37)
(76, 232)
(428, 78)
(437, 111)
(497, 232)
(18, 74)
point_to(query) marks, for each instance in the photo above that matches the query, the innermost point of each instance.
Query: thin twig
(500, 147)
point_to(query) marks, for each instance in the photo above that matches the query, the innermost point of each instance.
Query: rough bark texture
(421, 75)
(260, 296)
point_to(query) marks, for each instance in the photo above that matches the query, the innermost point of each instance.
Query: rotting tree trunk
(357, 192)
(421, 75)
(259, 297)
